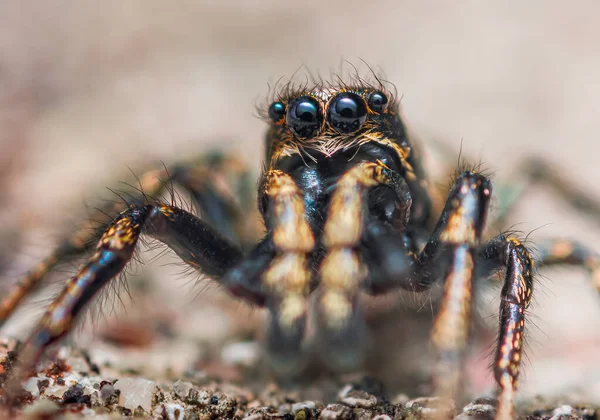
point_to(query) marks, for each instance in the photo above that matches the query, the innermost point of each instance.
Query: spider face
(329, 119)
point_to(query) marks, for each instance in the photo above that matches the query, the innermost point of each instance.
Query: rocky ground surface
(70, 385)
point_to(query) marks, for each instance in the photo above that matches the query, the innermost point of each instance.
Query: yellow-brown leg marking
(151, 182)
(459, 236)
(342, 271)
(565, 251)
(112, 253)
(288, 276)
(451, 328)
(516, 297)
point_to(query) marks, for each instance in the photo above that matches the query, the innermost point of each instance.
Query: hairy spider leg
(569, 252)
(341, 326)
(224, 190)
(80, 242)
(537, 171)
(461, 225)
(529, 172)
(509, 253)
(455, 248)
(214, 180)
(195, 242)
(288, 278)
(458, 233)
(112, 253)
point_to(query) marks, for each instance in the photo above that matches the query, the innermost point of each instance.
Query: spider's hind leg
(214, 182)
(535, 171)
(69, 249)
(568, 252)
(194, 241)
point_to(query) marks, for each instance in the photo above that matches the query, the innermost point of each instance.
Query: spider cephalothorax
(347, 210)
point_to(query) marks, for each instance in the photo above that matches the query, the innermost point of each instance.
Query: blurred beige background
(89, 87)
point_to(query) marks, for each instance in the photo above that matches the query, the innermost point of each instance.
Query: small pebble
(433, 406)
(265, 413)
(336, 412)
(563, 410)
(56, 390)
(400, 399)
(356, 398)
(182, 389)
(31, 385)
(76, 395)
(170, 412)
(481, 408)
(106, 391)
(135, 392)
(302, 405)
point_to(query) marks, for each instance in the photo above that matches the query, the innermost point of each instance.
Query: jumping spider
(347, 210)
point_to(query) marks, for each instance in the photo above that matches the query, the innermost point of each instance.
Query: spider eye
(347, 112)
(276, 111)
(304, 116)
(378, 102)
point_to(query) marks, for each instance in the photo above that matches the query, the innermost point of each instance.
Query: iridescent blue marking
(106, 258)
(87, 275)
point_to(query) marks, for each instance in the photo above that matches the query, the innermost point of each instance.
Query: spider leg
(196, 243)
(288, 276)
(341, 326)
(71, 248)
(509, 253)
(455, 246)
(222, 186)
(533, 171)
(452, 247)
(538, 171)
(450, 253)
(569, 252)
(208, 180)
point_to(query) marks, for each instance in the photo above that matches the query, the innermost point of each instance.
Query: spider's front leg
(453, 248)
(195, 241)
(509, 253)
(454, 252)
(458, 235)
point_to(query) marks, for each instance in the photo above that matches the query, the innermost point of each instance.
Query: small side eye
(378, 102)
(347, 112)
(304, 116)
(276, 111)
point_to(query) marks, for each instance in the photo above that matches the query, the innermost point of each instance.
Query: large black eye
(304, 116)
(347, 112)
(276, 111)
(378, 102)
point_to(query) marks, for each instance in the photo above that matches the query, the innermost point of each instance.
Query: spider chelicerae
(347, 210)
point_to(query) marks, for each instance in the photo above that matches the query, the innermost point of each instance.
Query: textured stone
(135, 392)
(336, 412)
(357, 398)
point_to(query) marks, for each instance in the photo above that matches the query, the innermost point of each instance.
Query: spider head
(329, 118)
